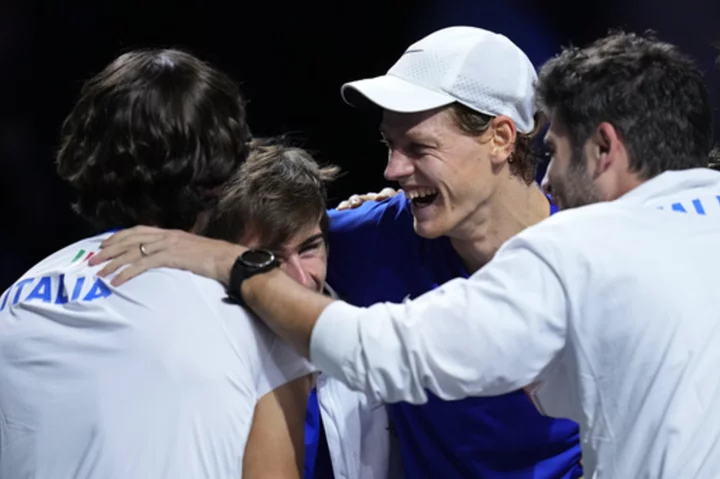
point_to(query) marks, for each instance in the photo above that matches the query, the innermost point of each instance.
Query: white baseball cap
(482, 70)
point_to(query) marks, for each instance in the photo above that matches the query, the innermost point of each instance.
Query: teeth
(420, 193)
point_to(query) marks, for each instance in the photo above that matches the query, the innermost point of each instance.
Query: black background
(291, 59)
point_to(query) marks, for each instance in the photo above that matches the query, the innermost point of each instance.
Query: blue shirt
(375, 255)
(317, 455)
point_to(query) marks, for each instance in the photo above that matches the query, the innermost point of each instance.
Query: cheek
(551, 178)
(557, 170)
(315, 266)
(453, 174)
(429, 170)
(473, 180)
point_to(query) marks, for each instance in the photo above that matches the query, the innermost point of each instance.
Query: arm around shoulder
(487, 335)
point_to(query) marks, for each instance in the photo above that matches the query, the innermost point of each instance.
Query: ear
(503, 139)
(605, 147)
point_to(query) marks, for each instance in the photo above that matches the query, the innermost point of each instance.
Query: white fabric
(482, 70)
(156, 379)
(612, 308)
(357, 432)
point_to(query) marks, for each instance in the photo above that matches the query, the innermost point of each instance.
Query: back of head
(276, 194)
(652, 94)
(152, 139)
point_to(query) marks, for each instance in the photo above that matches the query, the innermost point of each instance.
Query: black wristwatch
(248, 264)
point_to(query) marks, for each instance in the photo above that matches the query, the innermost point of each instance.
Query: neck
(508, 212)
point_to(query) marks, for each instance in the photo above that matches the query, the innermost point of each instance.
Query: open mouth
(422, 197)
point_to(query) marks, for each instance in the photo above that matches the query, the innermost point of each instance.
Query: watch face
(257, 258)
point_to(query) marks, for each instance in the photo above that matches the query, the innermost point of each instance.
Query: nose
(293, 267)
(399, 166)
(545, 183)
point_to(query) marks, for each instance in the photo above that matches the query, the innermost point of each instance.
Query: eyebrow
(413, 137)
(311, 240)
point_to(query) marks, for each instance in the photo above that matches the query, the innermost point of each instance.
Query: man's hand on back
(287, 307)
(356, 200)
(143, 247)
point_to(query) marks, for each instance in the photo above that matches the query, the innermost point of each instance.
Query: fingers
(113, 247)
(118, 263)
(137, 267)
(353, 202)
(123, 235)
(136, 263)
(356, 200)
(160, 248)
(387, 193)
(121, 255)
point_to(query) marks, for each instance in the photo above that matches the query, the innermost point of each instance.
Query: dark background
(291, 59)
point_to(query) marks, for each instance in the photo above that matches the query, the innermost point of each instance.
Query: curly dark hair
(152, 139)
(652, 94)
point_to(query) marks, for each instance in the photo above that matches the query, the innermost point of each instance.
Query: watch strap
(240, 272)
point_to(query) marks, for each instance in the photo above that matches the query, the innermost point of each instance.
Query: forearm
(467, 338)
(287, 307)
(384, 352)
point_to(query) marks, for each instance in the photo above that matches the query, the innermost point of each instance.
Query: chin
(428, 229)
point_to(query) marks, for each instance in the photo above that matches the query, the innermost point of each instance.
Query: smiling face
(277, 201)
(447, 174)
(303, 257)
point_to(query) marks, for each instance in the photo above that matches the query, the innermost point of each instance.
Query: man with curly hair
(162, 379)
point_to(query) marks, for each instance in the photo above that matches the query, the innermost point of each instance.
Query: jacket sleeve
(490, 334)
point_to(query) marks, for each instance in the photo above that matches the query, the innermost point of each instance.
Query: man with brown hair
(162, 379)
(277, 201)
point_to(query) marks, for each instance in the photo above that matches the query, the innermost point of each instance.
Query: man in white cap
(459, 119)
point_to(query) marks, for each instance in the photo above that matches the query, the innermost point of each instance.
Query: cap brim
(394, 94)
